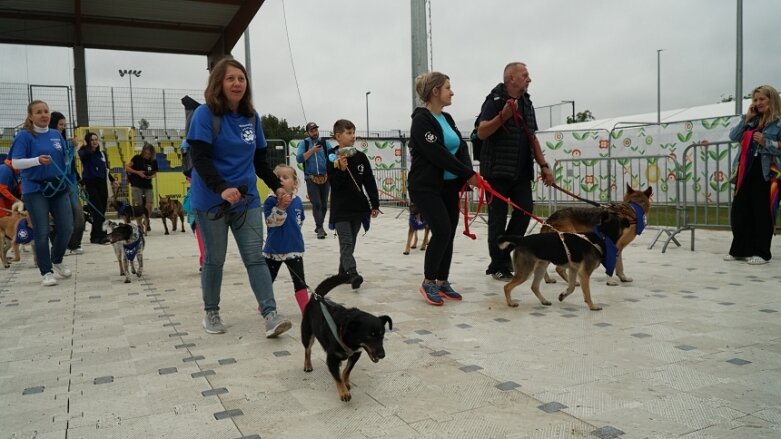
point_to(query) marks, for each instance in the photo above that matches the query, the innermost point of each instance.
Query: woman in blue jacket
(40, 154)
(753, 215)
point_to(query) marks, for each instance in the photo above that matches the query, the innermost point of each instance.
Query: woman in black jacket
(440, 166)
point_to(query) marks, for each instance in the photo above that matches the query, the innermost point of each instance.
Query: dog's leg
(410, 234)
(181, 221)
(572, 275)
(549, 279)
(539, 273)
(349, 368)
(132, 265)
(17, 253)
(140, 257)
(333, 363)
(165, 226)
(308, 339)
(4, 247)
(585, 286)
(425, 239)
(623, 242)
(523, 268)
(414, 238)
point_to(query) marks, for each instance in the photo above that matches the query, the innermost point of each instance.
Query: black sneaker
(503, 275)
(356, 280)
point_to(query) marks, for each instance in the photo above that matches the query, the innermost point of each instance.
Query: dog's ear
(386, 320)
(648, 192)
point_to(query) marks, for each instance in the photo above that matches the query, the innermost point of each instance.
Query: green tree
(276, 128)
(582, 116)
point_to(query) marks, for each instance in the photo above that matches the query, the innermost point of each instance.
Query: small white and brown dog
(128, 242)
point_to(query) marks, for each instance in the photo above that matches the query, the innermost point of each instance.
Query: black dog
(580, 254)
(128, 213)
(356, 330)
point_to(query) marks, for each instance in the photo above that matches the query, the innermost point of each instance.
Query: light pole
(659, 86)
(367, 115)
(130, 74)
(573, 108)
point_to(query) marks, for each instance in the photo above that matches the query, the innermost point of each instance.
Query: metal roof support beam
(80, 84)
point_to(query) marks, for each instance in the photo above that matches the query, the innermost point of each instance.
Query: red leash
(484, 187)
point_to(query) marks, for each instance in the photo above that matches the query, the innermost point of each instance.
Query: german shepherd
(128, 242)
(128, 213)
(356, 330)
(578, 253)
(584, 219)
(171, 209)
(416, 222)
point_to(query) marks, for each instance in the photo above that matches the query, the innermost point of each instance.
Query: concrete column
(80, 83)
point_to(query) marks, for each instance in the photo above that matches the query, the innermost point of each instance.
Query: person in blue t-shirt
(224, 193)
(285, 243)
(39, 153)
(440, 167)
(95, 166)
(312, 153)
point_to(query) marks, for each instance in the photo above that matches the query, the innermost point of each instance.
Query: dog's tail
(330, 283)
(509, 241)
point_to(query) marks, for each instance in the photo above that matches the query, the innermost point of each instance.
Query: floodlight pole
(367, 115)
(739, 61)
(658, 86)
(130, 74)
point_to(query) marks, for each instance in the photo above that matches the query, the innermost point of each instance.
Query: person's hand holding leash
(510, 107)
(283, 199)
(376, 213)
(342, 160)
(231, 195)
(547, 176)
(44, 159)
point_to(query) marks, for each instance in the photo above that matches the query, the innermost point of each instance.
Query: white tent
(667, 116)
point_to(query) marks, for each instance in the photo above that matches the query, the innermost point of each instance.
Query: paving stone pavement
(690, 349)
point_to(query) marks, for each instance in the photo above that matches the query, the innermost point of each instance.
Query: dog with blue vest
(128, 242)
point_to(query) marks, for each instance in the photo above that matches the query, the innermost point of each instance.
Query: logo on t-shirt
(430, 137)
(248, 135)
(57, 145)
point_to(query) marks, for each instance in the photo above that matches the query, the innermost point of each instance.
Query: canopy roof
(197, 27)
(667, 116)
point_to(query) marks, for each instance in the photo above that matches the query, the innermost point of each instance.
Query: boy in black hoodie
(350, 172)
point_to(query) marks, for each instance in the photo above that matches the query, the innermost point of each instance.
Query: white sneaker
(756, 260)
(75, 251)
(729, 258)
(62, 270)
(49, 280)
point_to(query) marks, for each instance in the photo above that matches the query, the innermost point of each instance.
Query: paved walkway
(691, 349)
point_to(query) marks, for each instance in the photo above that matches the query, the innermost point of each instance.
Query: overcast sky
(601, 54)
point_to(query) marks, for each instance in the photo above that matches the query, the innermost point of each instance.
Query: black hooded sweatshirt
(430, 157)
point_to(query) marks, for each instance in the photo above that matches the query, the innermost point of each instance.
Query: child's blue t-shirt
(233, 154)
(27, 146)
(451, 140)
(285, 241)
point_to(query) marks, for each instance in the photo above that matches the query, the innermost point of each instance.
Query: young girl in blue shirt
(285, 242)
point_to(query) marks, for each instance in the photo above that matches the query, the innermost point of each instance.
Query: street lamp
(573, 108)
(130, 74)
(367, 114)
(658, 86)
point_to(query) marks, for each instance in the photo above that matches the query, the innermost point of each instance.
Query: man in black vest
(507, 126)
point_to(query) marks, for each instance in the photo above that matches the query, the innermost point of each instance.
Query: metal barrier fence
(706, 192)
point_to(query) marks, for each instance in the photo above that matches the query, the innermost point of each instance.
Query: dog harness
(609, 255)
(332, 324)
(131, 250)
(24, 233)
